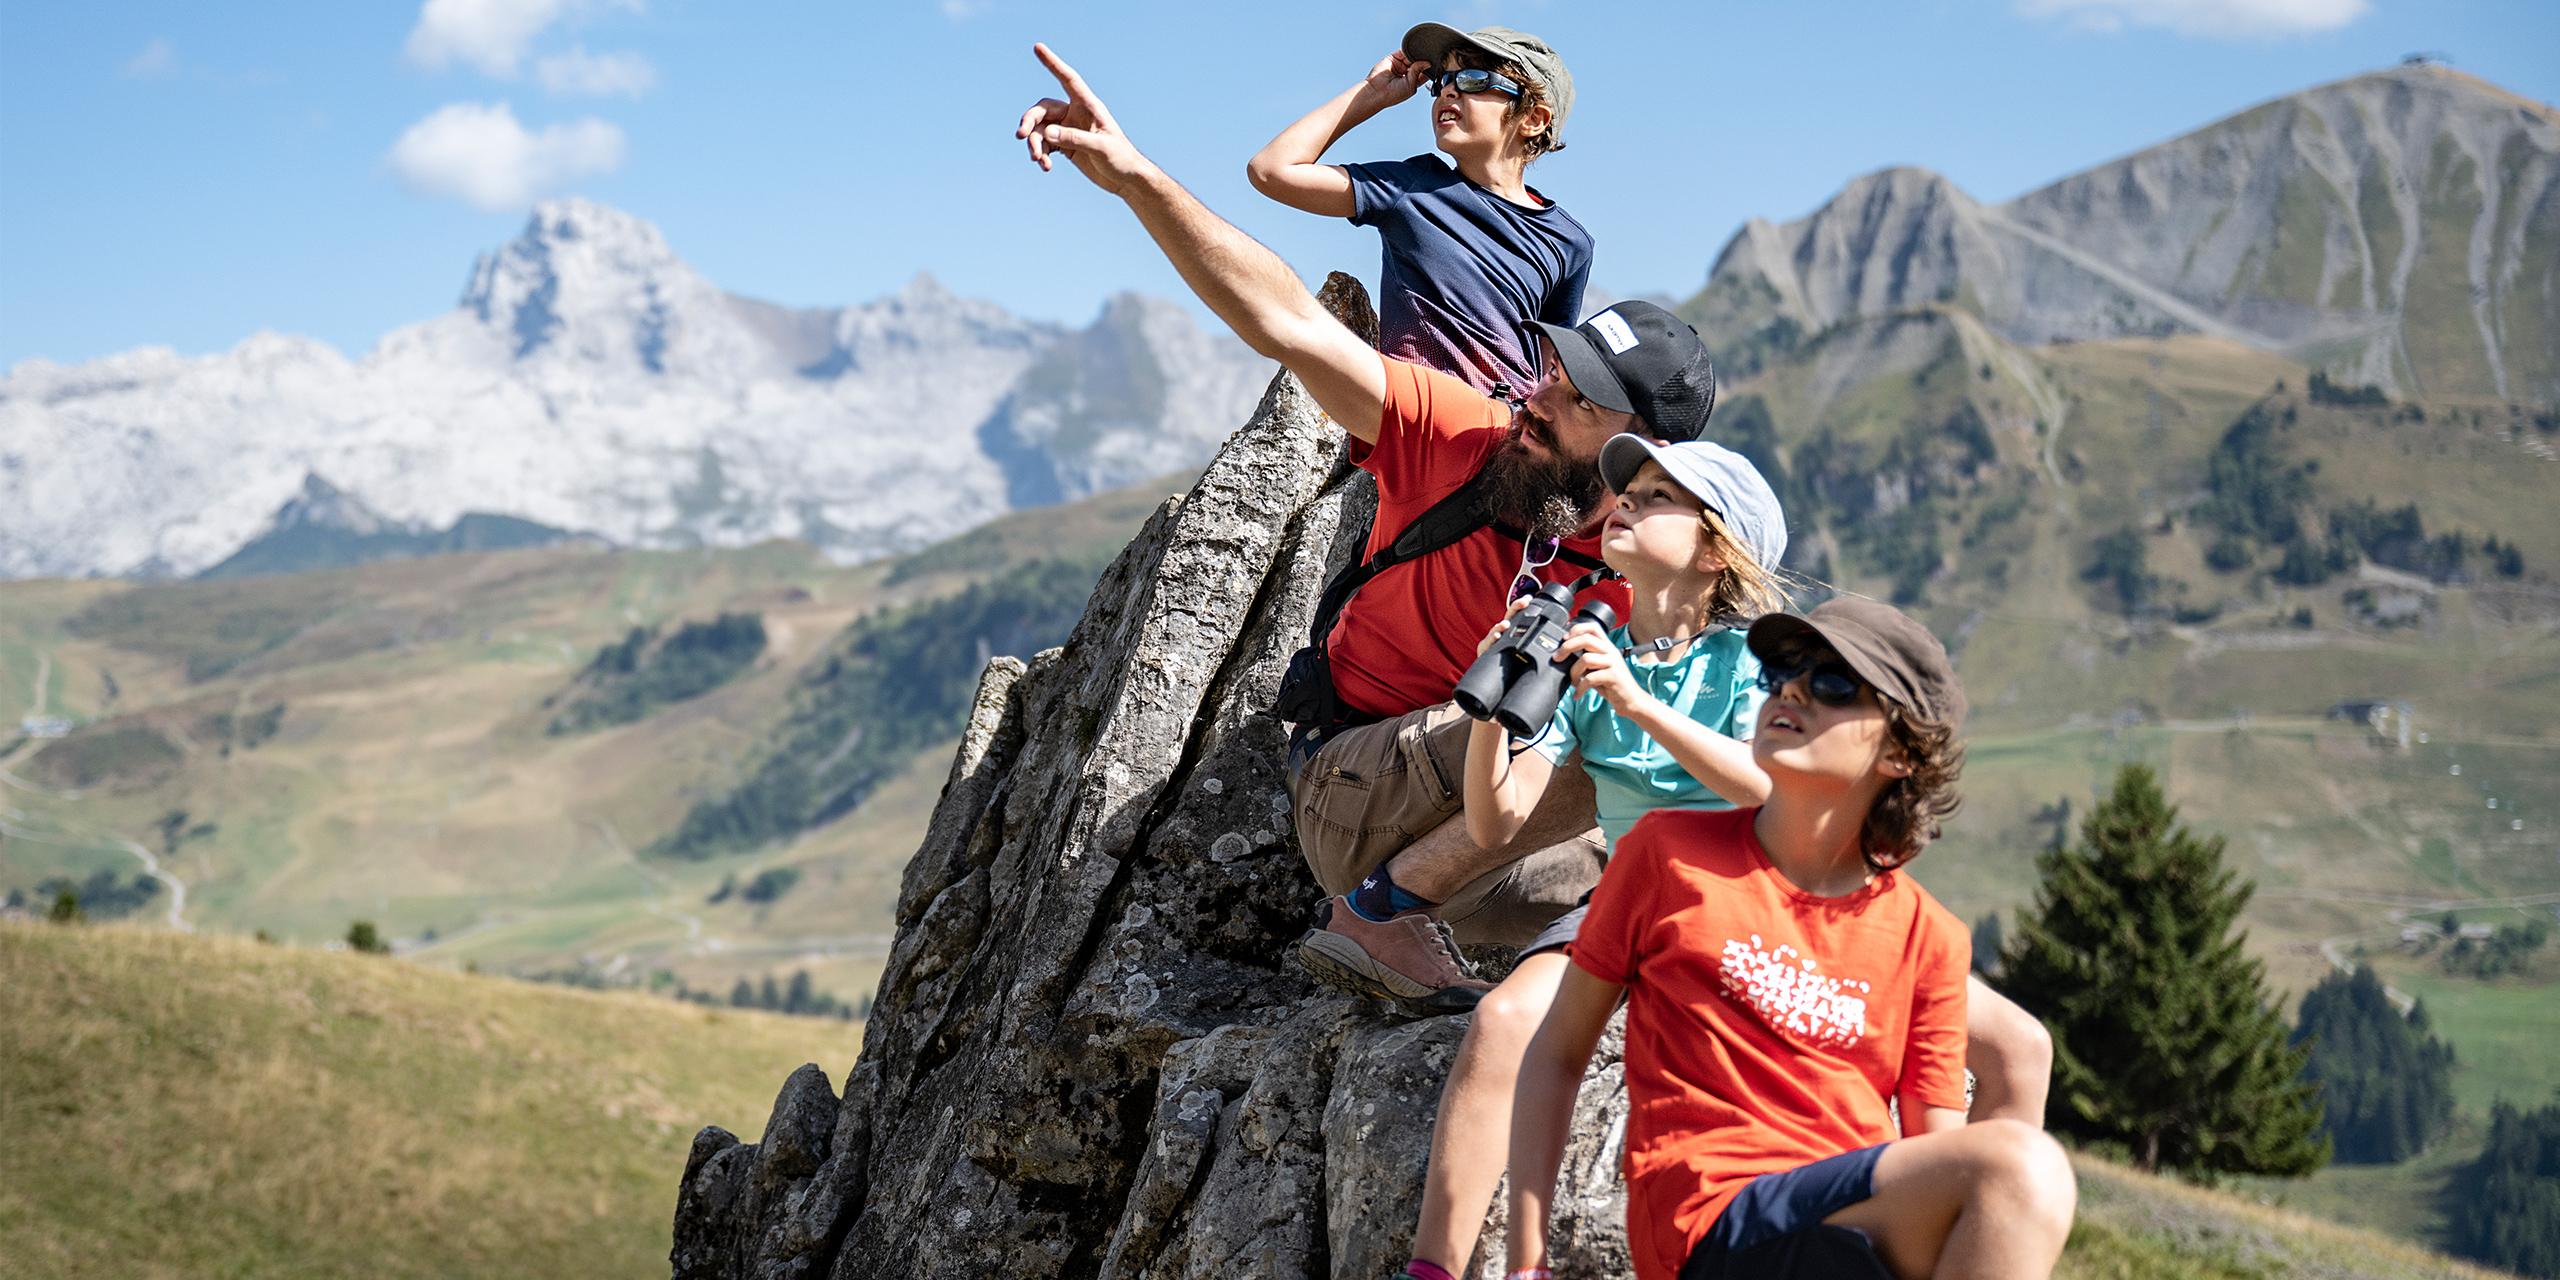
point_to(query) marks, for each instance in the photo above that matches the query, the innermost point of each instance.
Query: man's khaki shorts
(1366, 792)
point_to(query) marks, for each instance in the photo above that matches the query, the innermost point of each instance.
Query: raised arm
(1246, 284)
(1288, 168)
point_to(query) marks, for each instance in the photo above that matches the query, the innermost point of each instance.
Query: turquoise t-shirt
(1714, 681)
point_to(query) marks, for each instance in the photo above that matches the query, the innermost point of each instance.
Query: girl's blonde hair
(1747, 588)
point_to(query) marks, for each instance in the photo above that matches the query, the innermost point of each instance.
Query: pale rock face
(2400, 228)
(591, 381)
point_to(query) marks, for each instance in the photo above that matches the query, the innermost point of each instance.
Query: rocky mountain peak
(587, 281)
(320, 504)
(2400, 228)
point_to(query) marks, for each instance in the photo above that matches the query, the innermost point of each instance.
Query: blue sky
(186, 174)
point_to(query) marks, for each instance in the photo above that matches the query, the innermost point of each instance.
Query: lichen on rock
(1088, 1055)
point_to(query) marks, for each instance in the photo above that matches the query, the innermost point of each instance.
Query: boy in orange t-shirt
(1783, 981)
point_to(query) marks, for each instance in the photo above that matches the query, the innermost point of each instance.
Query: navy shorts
(1560, 934)
(1774, 1230)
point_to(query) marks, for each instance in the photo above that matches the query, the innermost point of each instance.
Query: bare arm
(1246, 284)
(1722, 764)
(1542, 1105)
(1919, 1118)
(1502, 786)
(1287, 168)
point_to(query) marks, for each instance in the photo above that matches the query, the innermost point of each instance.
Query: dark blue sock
(1379, 898)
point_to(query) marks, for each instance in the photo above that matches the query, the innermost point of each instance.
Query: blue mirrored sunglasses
(1471, 80)
(1831, 683)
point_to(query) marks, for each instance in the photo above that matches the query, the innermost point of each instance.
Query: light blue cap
(1717, 476)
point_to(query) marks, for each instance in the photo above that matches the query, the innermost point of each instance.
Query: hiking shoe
(1411, 959)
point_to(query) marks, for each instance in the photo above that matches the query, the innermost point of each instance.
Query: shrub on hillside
(363, 937)
(771, 883)
(103, 894)
(2386, 1086)
(638, 674)
(2165, 1042)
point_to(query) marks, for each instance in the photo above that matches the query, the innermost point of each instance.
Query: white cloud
(157, 61)
(961, 10)
(2209, 19)
(479, 154)
(490, 34)
(598, 74)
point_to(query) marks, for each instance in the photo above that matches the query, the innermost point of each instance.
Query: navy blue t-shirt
(1464, 268)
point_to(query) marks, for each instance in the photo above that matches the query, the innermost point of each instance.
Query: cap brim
(1592, 377)
(1623, 456)
(1432, 41)
(1773, 631)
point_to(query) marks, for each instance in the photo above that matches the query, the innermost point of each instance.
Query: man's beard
(1519, 486)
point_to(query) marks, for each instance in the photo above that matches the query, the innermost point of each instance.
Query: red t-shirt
(1406, 637)
(1765, 1026)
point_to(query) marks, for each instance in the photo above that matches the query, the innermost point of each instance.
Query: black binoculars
(1518, 682)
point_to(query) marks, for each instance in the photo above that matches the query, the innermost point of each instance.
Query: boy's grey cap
(1724, 480)
(1432, 41)
(1884, 645)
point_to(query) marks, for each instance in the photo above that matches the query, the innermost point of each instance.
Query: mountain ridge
(589, 380)
(2399, 228)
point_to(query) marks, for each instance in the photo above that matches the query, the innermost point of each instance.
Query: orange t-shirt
(1406, 637)
(1765, 1026)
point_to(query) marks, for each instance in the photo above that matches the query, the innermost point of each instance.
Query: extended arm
(1288, 168)
(1247, 285)
(1542, 1105)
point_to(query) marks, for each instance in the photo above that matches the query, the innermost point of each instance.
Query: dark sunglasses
(1831, 682)
(1470, 80)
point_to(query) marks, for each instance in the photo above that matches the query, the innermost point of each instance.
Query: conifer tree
(2386, 1086)
(2165, 1043)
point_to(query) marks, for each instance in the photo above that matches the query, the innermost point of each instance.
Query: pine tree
(2386, 1086)
(2165, 1043)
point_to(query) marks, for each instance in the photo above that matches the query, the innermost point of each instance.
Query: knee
(2011, 1046)
(1508, 1017)
(2024, 1166)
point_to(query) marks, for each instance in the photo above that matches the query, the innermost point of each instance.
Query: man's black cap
(1637, 358)
(1885, 646)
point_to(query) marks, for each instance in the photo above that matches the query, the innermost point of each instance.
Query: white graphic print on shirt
(1790, 993)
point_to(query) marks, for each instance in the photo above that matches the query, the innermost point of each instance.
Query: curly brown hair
(1907, 816)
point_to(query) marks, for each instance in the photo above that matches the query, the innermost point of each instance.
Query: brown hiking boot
(1410, 958)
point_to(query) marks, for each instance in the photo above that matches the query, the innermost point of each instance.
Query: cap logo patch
(1614, 331)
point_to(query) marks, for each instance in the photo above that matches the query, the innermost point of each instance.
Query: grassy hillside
(200, 1106)
(375, 743)
(2135, 1227)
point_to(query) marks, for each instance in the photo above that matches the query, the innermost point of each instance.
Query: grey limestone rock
(1088, 1056)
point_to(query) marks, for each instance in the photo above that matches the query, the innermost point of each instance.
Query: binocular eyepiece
(1518, 682)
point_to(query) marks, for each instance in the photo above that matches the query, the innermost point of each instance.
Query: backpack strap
(1446, 522)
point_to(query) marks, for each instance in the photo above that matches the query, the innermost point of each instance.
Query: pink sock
(1421, 1270)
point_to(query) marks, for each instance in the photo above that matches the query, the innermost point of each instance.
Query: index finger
(1077, 91)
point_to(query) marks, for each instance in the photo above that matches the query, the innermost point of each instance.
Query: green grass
(188, 1106)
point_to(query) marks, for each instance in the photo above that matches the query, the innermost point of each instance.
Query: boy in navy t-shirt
(1472, 252)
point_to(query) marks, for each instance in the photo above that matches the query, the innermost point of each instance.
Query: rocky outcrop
(1087, 1056)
